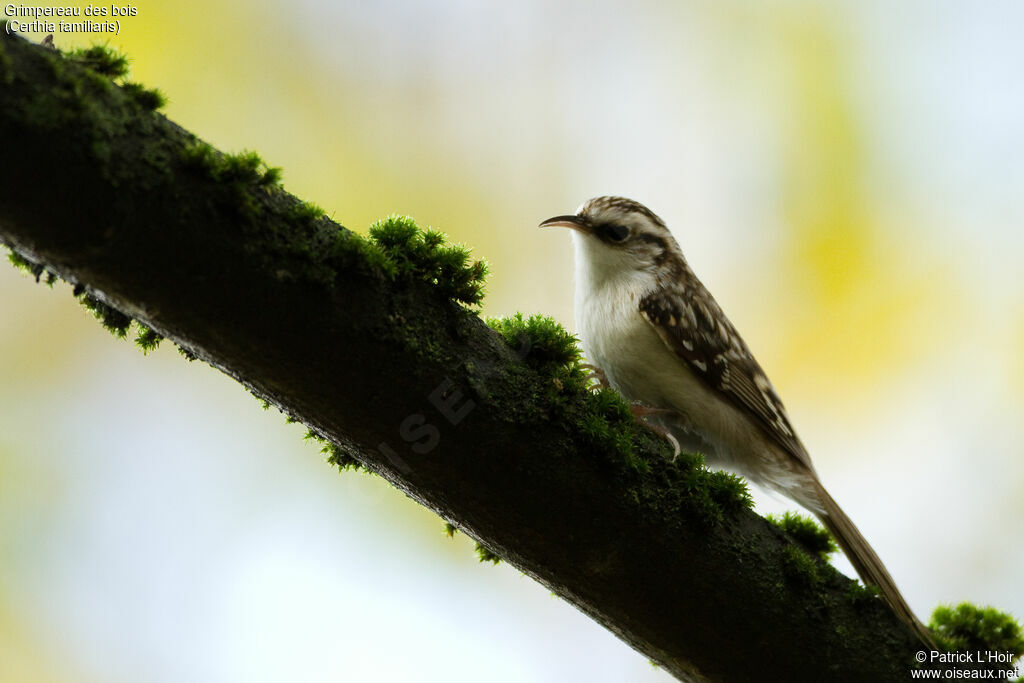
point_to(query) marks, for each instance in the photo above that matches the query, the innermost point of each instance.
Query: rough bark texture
(103, 192)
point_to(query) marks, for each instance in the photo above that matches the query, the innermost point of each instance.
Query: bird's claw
(595, 373)
(641, 412)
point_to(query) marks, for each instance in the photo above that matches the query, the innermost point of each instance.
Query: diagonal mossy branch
(495, 431)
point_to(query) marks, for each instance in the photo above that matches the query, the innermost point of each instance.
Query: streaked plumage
(662, 340)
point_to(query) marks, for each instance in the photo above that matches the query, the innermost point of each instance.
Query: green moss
(113, 320)
(603, 416)
(426, 256)
(727, 491)
(105, 61)
(611, 431)
(609, 428)
(858, 593)
(201, 157)
(186, 354)
(147, 339)
(351, 250)
(545, 342)
(305, 213)
(147, 98)
(967, 627)
(271, 177)
(264, 403)
(80, 97)
(97, 82)
(245, 168)
(684, 487)
(450, 530)
(240, 175)
(20, 262)
(546, 347)
(343, 461)
(609, 404)
(801, 567)
(102, 59)
(807, 533)
(335, 454)
(485, 555)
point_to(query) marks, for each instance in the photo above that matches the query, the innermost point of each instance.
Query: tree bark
(107, 195)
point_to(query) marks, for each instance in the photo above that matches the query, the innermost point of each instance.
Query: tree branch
(379, 360)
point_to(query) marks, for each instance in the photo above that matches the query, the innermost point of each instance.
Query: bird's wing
(692, 325)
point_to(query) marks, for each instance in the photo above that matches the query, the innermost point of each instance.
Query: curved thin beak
(572, 221)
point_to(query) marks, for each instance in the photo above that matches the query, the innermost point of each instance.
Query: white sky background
(156, 525)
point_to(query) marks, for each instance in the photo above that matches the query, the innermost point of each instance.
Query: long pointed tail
(866, 562)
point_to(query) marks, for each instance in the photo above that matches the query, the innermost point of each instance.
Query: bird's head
(618, 238)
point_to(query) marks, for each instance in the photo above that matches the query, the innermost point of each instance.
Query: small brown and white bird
(659, 338)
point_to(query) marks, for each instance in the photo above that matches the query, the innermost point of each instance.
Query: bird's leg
(595, 373)
(641, 412)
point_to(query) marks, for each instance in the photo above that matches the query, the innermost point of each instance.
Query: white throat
(608, 293)
(600, 268)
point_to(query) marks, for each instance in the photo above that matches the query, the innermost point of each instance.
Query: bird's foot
(641, 412)
(596, 374)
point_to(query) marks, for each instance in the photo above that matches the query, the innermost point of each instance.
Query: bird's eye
(616, 232)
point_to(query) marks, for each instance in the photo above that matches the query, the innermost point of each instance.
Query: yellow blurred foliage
(851, 293)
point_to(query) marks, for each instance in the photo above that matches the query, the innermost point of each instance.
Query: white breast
(619, 340)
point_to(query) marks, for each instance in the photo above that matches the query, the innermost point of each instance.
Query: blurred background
(846, 177)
